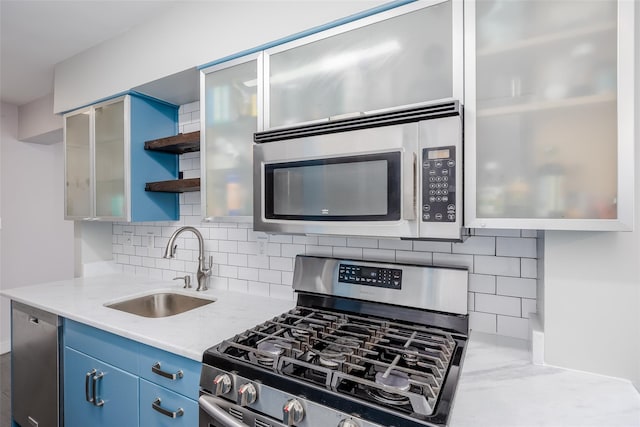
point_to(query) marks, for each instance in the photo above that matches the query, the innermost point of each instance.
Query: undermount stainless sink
(161, 304)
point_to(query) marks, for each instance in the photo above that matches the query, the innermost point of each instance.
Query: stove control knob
(292, 413)
(247, 394)
(222, 384)
(348, 423)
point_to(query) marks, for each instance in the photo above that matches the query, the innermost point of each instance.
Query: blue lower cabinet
(98, 394)
(160, 407)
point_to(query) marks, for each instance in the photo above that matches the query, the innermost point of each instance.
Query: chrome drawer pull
(96, 400)
(156, 370)
(86, 386)
(156, 405)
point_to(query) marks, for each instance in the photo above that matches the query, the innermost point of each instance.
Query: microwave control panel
(439, 184)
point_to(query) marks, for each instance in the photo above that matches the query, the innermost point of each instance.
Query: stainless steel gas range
(368, 344)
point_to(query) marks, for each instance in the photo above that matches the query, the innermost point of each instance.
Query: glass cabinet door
(78, 165)
(109, 160)
(230, 118)
(542, 114)
(384, 61)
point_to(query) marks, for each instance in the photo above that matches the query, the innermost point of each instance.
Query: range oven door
(216, 412)
(359, 182)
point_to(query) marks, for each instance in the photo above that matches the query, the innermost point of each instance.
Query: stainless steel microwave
(390, 174)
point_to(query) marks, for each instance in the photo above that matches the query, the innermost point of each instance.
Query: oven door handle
(211, 405)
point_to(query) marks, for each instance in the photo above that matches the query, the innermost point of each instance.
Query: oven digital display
(370, 276)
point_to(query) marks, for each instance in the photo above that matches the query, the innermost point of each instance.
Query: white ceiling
(37, 34)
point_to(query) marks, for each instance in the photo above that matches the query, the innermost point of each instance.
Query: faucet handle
(187, 280)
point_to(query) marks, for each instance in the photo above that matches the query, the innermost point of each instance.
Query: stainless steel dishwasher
(35, 335)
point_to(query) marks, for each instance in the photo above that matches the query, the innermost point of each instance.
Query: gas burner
(270, 350)
(410, 356)
(396, 379)
(334, 355)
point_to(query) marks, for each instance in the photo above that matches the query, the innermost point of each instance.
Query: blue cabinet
(107, 167)
(98, 394)
(114, 381)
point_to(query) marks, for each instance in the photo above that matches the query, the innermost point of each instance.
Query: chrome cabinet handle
(156, 370)
(211, 407)
(171, 414)
(86, 385)
(96, 400)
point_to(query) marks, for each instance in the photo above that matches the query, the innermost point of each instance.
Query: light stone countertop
(499, 386)
(188, 334)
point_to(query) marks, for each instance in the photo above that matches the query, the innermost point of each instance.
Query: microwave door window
(361, 188)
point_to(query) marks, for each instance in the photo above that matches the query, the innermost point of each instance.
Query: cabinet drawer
(168, 401)
(184, 373)
(105, 346)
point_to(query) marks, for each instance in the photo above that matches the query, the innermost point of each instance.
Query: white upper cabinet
(229, 118)
(549, 114)
(407, 55)
(107, 166)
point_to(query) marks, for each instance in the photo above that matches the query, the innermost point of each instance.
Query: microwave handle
(410, 199)
(210, 405)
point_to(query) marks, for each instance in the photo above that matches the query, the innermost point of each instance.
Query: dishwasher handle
(211, 406)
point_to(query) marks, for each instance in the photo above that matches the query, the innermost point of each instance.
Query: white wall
(592, 289)
(38, 124)
(188, 35)
(37, 244)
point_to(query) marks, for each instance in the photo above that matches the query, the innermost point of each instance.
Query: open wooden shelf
(178, 144)
(174, 185)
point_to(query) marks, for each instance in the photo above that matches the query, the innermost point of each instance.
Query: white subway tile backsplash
(191, 127)
(516, 247)
(410, 257)
(247, 273)
(529, 233)
(397, 244)
(428, 246)
(502, 263)
(499, 266)
(238, 285)
(453, 260)
(281, 263)
(528, 307)
(379, 255)
(305, 240)
(280, 238)
(239, 260)
(516, 287)
(258, 288)
(228, 246)
(516, 327)
(482, 283)
(529, 268)
(319, 250)
(360, 242)
(332, 241)
(291, 250)
(258, 261)
(354, 253)
(270, 276)
(498, 304)
(476, 245)
(483, 322)
(230, 271)
(237, 234)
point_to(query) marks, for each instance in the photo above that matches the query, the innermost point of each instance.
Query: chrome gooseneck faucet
(203, 273)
